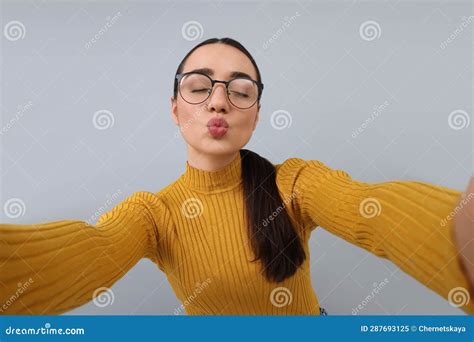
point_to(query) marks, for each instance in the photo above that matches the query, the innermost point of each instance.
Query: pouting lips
(217, 127)
(219, 122)
(216, 131)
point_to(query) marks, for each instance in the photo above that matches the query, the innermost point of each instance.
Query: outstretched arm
(53, 267)
(464, 232)
(407, 222)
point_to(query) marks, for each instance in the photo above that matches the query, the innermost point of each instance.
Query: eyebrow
(232, 74)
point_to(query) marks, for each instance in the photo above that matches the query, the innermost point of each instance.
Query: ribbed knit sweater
(194, 231)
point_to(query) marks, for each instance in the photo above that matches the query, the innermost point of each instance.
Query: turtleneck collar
(224, 178)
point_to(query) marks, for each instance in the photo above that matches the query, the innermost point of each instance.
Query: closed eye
(238, 94)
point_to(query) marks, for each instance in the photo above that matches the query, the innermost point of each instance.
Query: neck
(209, 162)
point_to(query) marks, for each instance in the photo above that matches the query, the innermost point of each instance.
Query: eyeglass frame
(179, 76)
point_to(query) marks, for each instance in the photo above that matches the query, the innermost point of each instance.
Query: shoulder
(151, 199)
(145, 199)
(289, 164)
(152, 203)
(294, 177)
(291, 168)
(297, 174)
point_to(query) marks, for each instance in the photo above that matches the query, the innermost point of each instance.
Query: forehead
(222, 59)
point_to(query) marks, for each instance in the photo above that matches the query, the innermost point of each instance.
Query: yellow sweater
(194, 231)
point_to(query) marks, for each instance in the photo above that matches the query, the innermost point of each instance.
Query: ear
(257, 117)
(174, 110)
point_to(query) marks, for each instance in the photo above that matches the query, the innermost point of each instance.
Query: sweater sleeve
(53, 267)
(408, 222)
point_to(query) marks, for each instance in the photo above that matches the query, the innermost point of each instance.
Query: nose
(218, 101)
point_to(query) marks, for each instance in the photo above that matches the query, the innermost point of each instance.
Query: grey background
(318, 68)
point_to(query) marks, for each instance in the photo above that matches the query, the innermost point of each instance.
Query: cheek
(243, 127)
(246, 121)
(190, 120)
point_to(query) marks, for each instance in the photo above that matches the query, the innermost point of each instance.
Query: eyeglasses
(196, 87)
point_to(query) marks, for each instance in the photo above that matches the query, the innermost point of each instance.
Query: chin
(219, 146)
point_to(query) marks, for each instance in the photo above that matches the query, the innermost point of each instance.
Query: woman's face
(193, 120)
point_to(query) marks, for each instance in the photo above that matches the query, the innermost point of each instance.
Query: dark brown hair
(273, 237)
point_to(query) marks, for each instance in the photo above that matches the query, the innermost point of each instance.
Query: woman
(231, 233)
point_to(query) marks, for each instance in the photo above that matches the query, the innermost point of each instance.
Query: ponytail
(274, 242)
